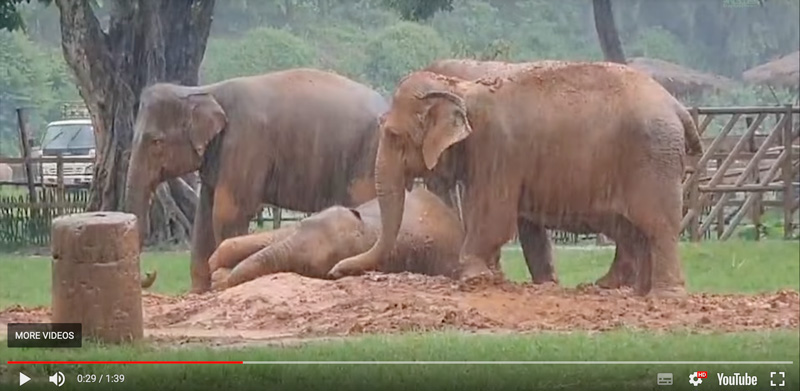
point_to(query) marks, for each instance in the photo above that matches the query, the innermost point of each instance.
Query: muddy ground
(289, 306)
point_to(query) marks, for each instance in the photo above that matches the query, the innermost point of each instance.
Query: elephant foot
(476, 273)
(347, 267)
(200, 288)
(610, 281)
(667, 293)
(219, 279)
(545, 279)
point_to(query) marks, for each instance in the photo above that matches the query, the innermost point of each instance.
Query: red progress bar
(125, 362)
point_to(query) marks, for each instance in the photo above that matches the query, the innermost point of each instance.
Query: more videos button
(45, 335)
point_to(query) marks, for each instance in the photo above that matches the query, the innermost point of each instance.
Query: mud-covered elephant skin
(299, 139)
(566, 143)
(428, 242)
(534, 239)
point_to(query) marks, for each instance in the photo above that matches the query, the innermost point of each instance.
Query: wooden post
(60, 184)
(755, 211)
(96, 279)
(721, 214)
(788, 178)
(22, 122)
(260, 218)
(277, 217)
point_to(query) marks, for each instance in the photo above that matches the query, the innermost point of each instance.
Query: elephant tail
(694, 147)
(149, 279)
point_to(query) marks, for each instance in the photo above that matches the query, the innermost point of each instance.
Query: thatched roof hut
(680, 80)
(783, 72)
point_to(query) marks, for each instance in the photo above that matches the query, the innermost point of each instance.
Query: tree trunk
(147, 41)
(607, 31)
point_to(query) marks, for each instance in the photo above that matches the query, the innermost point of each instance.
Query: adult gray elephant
(300, 139)
(534, 239)
(580, 145)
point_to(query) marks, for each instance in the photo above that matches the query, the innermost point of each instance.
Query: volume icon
(57, 379)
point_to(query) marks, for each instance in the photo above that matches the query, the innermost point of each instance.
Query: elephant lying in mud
(299, 139)
(534, 239)
(589, 146)
(428, 243)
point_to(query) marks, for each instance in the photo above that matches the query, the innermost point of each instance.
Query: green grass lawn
(731, 267)
(734, 266)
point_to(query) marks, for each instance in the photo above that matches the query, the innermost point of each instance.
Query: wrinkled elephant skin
(299, 139)
(428, 243)
(534, 238)
(561, 143)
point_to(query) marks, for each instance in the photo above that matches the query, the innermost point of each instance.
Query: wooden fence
(745, 174)
(747, 169)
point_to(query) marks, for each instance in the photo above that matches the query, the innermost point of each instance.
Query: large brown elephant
(566, 144)
(428, 242)
(534, 239)
(299, 139)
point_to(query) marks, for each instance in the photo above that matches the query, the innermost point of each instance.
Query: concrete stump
(96, 278)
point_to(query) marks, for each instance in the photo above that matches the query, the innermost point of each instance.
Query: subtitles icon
(664, 379)
(695, 378)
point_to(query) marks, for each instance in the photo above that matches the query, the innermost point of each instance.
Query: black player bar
(45, 335)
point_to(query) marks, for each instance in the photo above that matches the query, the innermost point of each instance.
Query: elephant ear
(454, 128)
(207, 120)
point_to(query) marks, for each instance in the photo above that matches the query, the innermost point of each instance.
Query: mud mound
(289, 305)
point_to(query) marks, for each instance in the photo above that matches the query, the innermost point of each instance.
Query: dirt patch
(289, 306)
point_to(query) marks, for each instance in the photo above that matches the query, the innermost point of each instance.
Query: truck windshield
(74, 139)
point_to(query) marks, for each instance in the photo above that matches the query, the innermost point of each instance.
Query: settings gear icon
(694, 380)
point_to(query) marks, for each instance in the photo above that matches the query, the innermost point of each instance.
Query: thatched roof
(783, 72)
(680, 80)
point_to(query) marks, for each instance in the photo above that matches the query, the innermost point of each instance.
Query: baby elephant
(429, 241)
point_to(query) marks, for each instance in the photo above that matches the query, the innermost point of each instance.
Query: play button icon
(23, 378)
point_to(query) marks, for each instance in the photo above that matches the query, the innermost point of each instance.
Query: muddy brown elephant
(428, 242)
(534, 239)
(299, 139)
(567, 144)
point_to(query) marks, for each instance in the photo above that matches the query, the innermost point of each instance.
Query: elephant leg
(231, 218)
(233, 250)
(203, 242)
(538, 251)
(490, 215)
(656, 212)
(274, 258)
(623, 269)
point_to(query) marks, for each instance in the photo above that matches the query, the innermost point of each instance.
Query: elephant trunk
(390, 188)
(138, 190)
(269, 260)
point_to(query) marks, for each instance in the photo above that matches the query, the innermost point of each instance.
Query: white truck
(69, 137)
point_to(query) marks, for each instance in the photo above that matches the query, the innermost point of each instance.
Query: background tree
(110, 49)
(607, 31)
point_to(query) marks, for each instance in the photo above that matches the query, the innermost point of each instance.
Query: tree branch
(186, 38)
(86, 50)
(607, 31)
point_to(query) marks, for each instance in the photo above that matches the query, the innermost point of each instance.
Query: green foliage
(30, 76)
(339, 48)
(399, 50)
(260, 50)
(657, 42)
(419, 9)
